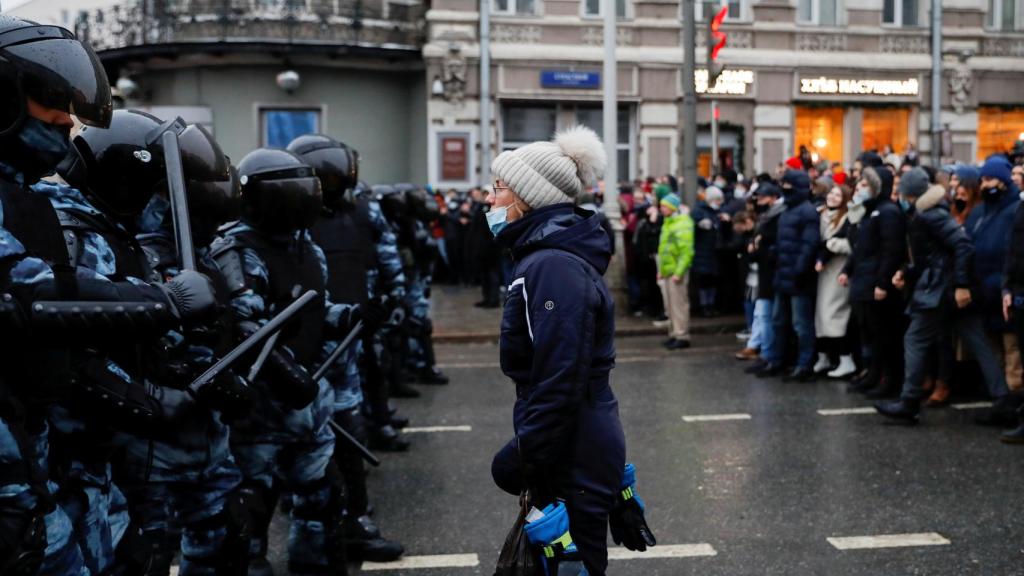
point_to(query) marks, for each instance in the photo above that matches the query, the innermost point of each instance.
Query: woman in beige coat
(832, 312)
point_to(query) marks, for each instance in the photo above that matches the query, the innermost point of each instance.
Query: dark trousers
(796, 312)
(882, 325)
(490, 281)
(926, 329)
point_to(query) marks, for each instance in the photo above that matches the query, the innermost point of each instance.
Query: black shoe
(882, 392)
(757, 365)
(431, 376)
(799, 375)
(661, 318)
(770, 370)
(386, 439)
(679, 345)
(668, 342)
(364, 542)
(399, 422)
(1015, 436)
(403, 390)
(904, 411)
(1003, 413)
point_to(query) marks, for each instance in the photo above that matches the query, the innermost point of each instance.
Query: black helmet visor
(60, 72)
(201, 156)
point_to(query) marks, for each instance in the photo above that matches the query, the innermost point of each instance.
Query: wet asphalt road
(759, 487)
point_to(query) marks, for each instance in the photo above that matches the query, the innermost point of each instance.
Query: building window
(737, 10)
(525, 123)
(999, 129)
(900, 12)
(819, 12)
(884, 127)
(522, 7)
(820, 131)
(1005, 15)
(593, 8)
(279, 126)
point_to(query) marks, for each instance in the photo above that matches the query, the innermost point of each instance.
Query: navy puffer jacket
(990, 226)
(557, 345)
(796, 247)
(705, 241)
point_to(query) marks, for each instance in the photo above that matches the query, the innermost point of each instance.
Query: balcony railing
(365, 23)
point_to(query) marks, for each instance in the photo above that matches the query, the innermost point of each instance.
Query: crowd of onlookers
(905, 279)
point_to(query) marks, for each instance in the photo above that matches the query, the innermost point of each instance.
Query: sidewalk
(457, 320)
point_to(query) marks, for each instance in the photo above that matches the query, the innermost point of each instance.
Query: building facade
(260, 72)
(836, 76)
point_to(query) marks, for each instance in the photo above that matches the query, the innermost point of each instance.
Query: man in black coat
(879, 250)
(795, 281)
(1013, 298)
(939, 280)
(482, 254)
(762, 250)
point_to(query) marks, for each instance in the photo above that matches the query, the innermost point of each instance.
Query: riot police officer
(346, 234)
(269, 259)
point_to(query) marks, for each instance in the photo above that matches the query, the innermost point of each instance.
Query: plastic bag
(516, 557)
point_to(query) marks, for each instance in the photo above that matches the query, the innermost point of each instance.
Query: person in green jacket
(675, 254)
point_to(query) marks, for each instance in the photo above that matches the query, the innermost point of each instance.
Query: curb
(727, 325)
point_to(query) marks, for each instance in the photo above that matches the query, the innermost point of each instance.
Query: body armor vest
(346, 237)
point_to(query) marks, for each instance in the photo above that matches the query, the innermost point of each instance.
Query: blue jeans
(762, 332)
(796, 311)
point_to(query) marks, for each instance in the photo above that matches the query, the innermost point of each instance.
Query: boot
(403, 390)
(845, 368)
(770, 370)
(431, 376)
(1015, 436)
(823, 365)
(799, 375)
(386, 439)
(902, 411)
(1003, 412)
(363, 541)
(746, 354)
(940, 395)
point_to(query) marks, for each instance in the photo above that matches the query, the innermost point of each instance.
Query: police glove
(286, 379)
(227, 394)
(628, 525)
(372, 314)
(193, 297)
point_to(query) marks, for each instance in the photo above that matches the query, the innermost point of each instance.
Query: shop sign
(454, 157)
(570, 79)
(730, 82)
(859, 86)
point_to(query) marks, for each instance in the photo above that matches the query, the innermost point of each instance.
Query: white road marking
(715, 417)
(888, 541)
(847, 411)
(421, 562)
(663, 551)
(430, 429)
(971, 405)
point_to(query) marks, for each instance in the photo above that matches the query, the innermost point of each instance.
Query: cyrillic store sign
(569, 79)
(826, 86)
(730, 82)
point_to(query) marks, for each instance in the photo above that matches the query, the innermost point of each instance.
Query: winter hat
(969, 177)
(556, 172)
(998, 167)
(798, 180)
(914, 183)
(870, 174)
(713, 194)
(672, 201)
(826, 181)
(795, 163)
(839, 178)
(768, 189)
(870, 158)
(661, 190)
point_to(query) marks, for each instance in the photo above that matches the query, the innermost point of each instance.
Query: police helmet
(48, 65)
(422, 205)
(392, 201)
(336, 164)
(280, 192)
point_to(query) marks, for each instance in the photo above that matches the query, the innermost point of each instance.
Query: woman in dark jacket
(557, 341)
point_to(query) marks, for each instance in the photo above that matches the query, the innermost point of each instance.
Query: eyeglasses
(497, 188)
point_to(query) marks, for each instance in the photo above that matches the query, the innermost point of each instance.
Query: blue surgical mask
(49, 144)
(496, 219)
(905, 204)
(861, 196)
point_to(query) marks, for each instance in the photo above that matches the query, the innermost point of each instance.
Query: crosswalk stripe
(847, 411)
(888, 541)
(715, 417)
(663, 551)
(423, 562)
(971, 405)
(430, 429)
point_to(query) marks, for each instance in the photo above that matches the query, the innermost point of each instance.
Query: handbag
(516, 557)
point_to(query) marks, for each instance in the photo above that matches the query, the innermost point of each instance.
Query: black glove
(229, 395)
(629, 527)
(372, 314)
(193, 296)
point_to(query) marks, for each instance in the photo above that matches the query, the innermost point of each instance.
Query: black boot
(431, 376)
(386, 439)
(903, 411)
(799, 375)
(363, 541)
(770, 370)
(1003, 413)
(402, 389)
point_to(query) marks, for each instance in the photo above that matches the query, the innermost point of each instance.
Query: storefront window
(998, 129)
(886, 127)
(820, 130)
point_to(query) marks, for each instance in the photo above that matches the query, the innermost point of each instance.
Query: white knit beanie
(546, 173)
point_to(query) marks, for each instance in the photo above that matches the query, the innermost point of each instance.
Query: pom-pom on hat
(546, 173)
